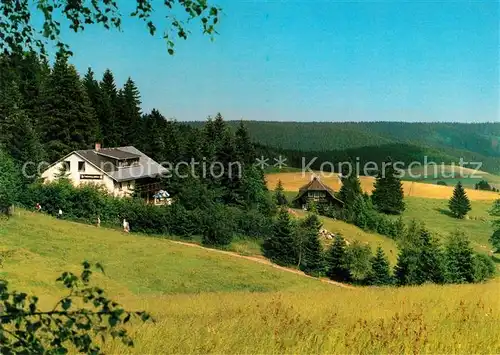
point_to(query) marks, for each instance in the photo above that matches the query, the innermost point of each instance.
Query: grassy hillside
(42, 247)
(208, 302)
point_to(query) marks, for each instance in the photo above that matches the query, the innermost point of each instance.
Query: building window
(67, 165)
(120, 186)
(81, 166)
(129, 185)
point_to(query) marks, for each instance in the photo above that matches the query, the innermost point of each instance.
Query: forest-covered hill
(374, 141)
(480, 138)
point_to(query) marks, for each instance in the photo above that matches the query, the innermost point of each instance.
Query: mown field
(207, 302)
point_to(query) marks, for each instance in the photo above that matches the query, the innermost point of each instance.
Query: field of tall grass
(209, 302)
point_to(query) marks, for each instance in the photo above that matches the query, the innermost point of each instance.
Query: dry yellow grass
(428, 319)
(293, 181)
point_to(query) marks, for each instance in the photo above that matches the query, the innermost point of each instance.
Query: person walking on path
(126, 226)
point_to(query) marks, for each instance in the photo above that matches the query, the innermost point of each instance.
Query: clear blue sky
(315, 61)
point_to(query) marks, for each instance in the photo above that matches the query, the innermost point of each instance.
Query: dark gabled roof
(147, 167)
(316, 185)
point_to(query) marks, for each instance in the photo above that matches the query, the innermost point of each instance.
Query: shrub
(218, 225)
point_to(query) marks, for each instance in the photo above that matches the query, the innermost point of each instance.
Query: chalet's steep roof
(316, 185)
(147, 167)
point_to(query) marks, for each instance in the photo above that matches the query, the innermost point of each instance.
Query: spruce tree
(70, 122)
(459, 259)
(459, 203)
(350, 189)
(245, 149)
(495, 237)
(109, 125)
(128, 112)
(430, 265)
(279, 195)
(9, 183)
(311, 259)
(280, 247)
(337, 260)
(406, 270)
(94, 94)
(380, 269)
(388, 194)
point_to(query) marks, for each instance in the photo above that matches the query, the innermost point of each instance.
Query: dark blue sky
(316, 61)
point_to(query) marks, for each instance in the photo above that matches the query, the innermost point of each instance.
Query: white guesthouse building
(121, 170)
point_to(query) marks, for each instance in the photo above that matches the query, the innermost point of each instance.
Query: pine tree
(388, 193)
(128, 112)
(279, 195)
(70, 122)
(350, 189)
(9, 183)
(459, 259)
(459, 203)
(406, 270)
(337, 265)
(495, 237)
(245, 149)
(430, 264)
(380, 269)
(94, 94)
(280, 247)
(109, 125)
(311, 259)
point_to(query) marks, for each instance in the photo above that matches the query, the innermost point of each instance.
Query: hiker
(126, 226)
(59, 214)
(38, 207)
(98, 222)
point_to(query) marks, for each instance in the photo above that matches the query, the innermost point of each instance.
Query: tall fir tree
(279, 195)
(109, 125)
(459, 203)
(311, 258)
(388, 193)
(380, 269)
(245, 149)
(280, 247)
(337, 264)
(406, 270)
(350, 189)
(495, 237)
(70, 121)
(459, 259)
(128, 112)
(430, 264)
(9, 183)
(94, 94)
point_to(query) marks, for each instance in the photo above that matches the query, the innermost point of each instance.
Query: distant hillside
(480, 138)
(374, 141)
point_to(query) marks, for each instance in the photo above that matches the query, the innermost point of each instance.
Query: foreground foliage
(25, 328)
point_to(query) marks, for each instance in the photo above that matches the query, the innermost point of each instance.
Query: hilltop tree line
(422, 259)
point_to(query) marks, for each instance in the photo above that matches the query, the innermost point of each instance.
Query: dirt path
(262, 260)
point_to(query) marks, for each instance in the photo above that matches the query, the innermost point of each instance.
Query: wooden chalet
(317, 192)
